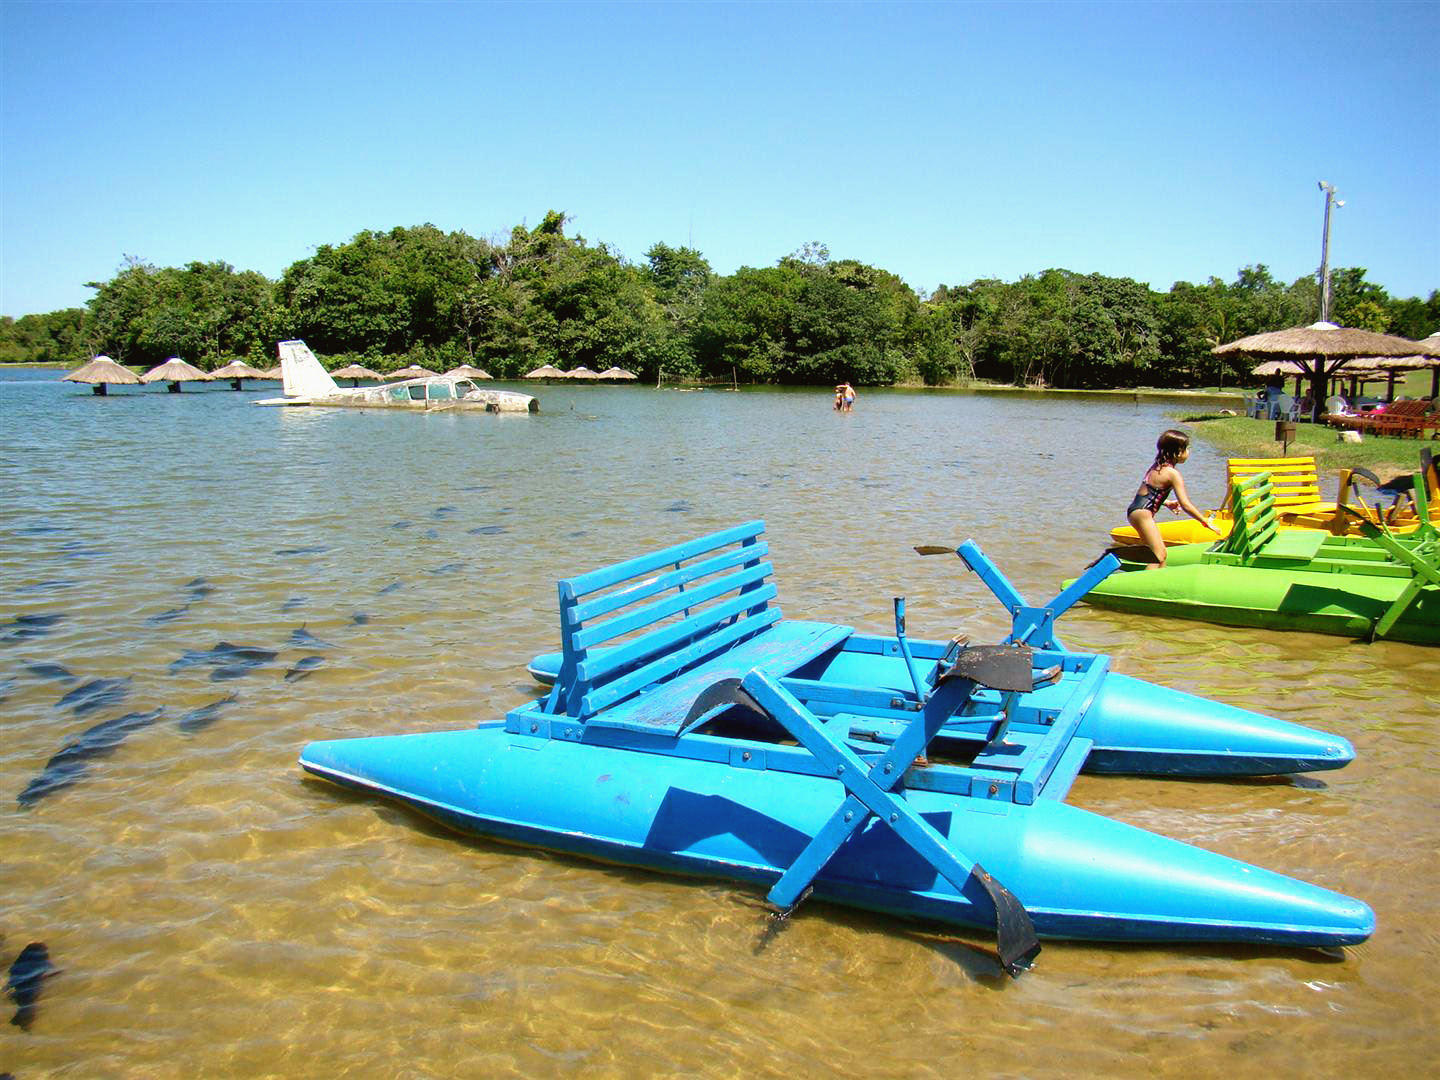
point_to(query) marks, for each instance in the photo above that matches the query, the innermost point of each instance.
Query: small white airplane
(306, 382)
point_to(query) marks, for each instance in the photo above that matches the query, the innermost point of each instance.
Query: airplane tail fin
(301, 372)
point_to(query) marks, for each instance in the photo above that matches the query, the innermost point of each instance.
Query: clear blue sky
(943, 142)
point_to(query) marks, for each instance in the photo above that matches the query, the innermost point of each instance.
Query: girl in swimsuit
(1159, 481)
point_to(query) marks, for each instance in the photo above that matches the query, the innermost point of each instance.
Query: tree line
(509, 304)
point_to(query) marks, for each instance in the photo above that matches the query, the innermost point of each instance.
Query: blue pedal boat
(691, 728)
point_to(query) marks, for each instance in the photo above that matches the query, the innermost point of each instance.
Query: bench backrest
(1253, 507)
(1293, 481)
(627, 626)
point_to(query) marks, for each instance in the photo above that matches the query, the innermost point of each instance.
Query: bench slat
(595, 669)
(644, 564)
(744, 581)
(603, 605)
(664, 666)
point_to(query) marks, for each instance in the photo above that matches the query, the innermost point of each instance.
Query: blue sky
(942, 141)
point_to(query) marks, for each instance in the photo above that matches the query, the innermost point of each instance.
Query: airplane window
(417, 392)
(440, 391)
(400, 393)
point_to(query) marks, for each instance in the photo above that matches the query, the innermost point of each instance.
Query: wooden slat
(642, 590)
(646, 564)
(609, 629)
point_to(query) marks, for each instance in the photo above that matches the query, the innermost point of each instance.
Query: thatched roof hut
(581, 372)
(414, 371)
(237, 371)
(1320, 349)
(174, 371)
(354, 372)
(468, 371)
(273, 373)
(101, 372)
(546, 372)
(618, 373)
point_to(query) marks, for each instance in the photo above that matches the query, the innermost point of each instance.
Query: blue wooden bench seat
(641, 639)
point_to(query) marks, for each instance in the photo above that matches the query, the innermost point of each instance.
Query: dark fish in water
(195, 583)
(440, 513)
(39, 530)
(47, 586)
(359, 618)
(229, 661)
(77, 549)
(303, 667)
(95, 694)
(402, 524)
(205, 715)
(74, 758)
(430, 534)
(26, 627)
(167, 616)
(302, 551)
(51, 671)
(486, 530)
(27, 975)
(301, 636)
(679, 506)
(392, 587)
(198, 589)
(449, 568)
(293, 603)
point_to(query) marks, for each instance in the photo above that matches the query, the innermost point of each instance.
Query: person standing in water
(844, 397)
(1159, 482)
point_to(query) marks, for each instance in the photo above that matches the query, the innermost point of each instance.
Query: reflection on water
(211, 912)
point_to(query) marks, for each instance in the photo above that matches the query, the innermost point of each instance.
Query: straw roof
(1277, 367)
(581, 372)
(237, 370)
(1319, 340)
(546, 372)
(414, 371)
(175, 370)
(467, 371)
(102, 370)
(273, 373)
(355, 371)
(618, 373)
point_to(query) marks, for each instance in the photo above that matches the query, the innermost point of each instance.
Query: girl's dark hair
(1170, 446)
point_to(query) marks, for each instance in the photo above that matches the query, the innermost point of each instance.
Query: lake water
(215, 913)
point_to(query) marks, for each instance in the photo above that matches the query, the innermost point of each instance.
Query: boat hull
(1271, 599)
(1079, 875)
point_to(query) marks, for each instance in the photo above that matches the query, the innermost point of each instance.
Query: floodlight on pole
(1330, 200)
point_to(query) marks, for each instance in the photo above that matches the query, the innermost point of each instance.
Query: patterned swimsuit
(1148, 497)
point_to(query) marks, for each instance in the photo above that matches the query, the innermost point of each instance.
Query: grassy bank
(1239, 436)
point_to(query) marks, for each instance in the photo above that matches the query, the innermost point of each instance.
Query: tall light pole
(1325, 251)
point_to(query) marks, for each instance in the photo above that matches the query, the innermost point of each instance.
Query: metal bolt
(745, 756)
(839, 770)
(849, 815)
(994, 789)
(894, 818)
(534, 727)
(889, 767)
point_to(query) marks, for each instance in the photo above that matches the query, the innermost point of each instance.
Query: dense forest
(420, 295)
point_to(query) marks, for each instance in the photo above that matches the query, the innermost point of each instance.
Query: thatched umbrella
(414, 371)
(235, 372)
(174, 371)
(1282, 368)
(618, 373)
(1320, 349)
(100, 372)
(581, 372)
(546, 372)
(466, 371)
(275, 372)
(354, 372)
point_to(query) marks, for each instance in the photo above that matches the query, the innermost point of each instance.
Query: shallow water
(213, 912)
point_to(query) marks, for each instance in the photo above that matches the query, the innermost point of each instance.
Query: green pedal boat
(1376, 585)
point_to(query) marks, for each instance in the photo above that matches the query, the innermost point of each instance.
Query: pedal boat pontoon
(692, 729)
(1375, 585)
